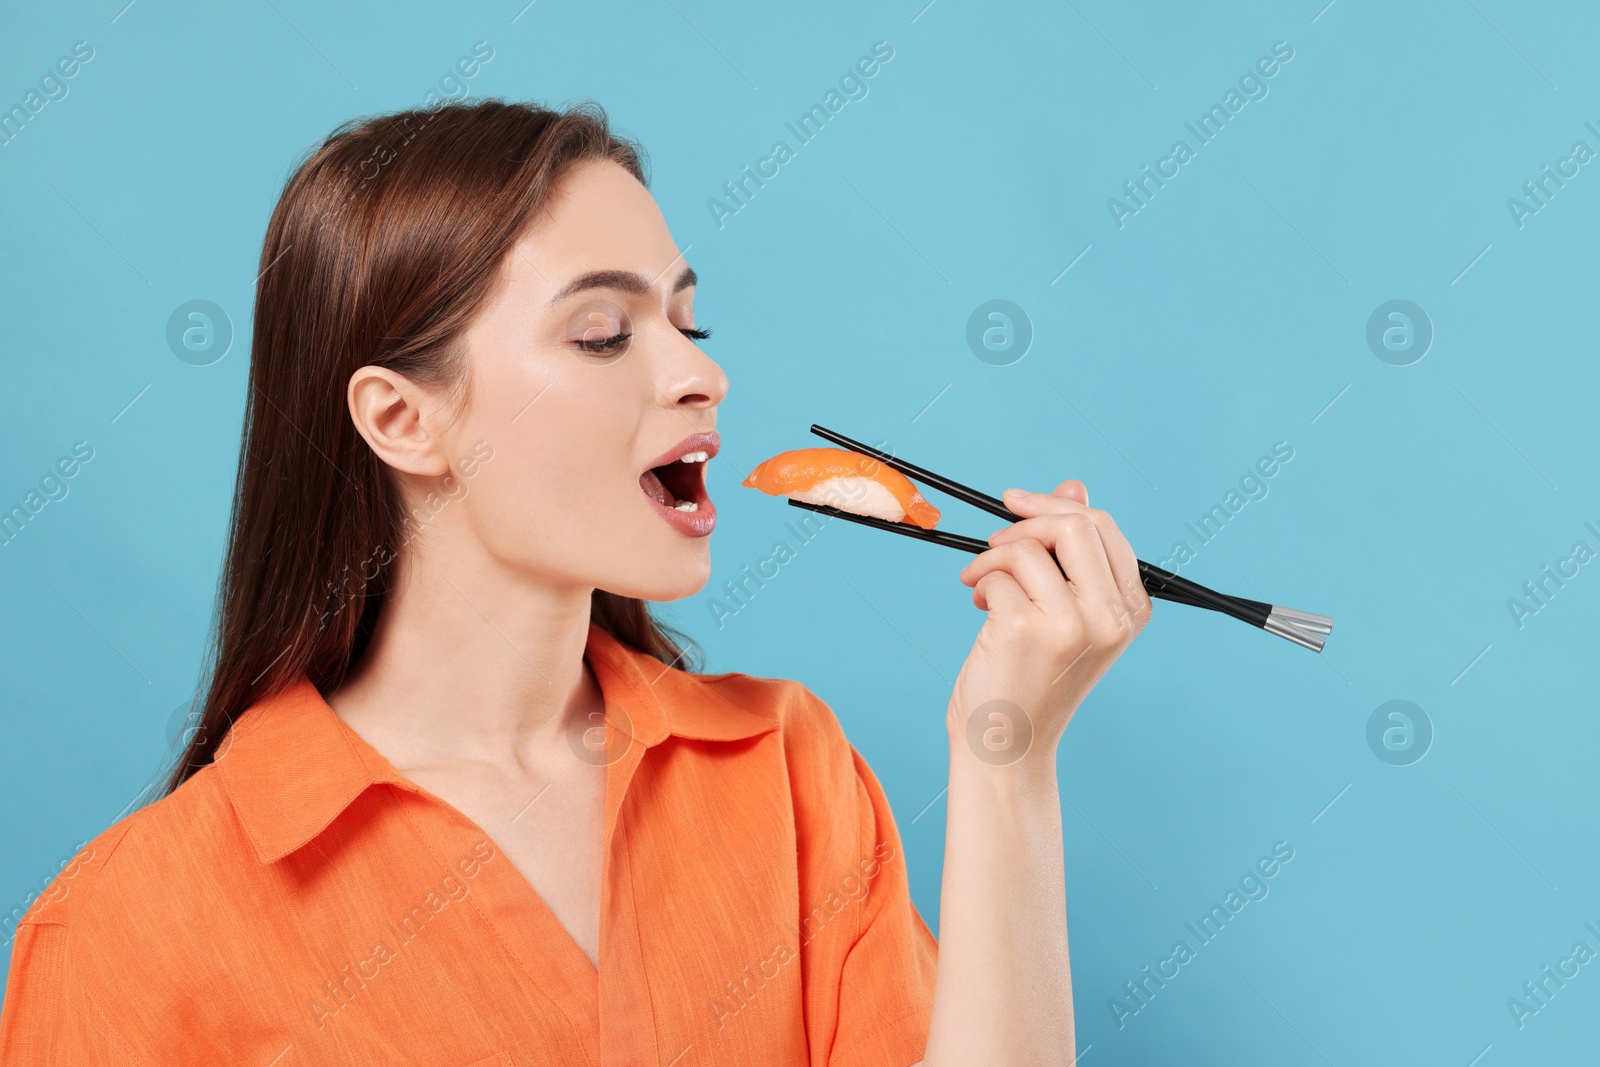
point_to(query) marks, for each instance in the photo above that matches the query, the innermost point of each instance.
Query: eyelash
(622, 338)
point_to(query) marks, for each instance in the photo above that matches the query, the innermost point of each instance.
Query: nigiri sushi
(849, 481)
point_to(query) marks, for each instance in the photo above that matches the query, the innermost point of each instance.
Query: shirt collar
(290, 765)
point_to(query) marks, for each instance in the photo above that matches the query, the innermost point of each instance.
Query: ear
(398, 419)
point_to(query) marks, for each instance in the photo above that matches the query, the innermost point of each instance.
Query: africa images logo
(852, 86)
(1252, 85)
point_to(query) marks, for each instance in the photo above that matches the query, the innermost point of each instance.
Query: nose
(695, 380)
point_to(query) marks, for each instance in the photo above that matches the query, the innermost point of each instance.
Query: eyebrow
(625, 280)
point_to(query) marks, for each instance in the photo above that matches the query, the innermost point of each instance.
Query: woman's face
(588, 387)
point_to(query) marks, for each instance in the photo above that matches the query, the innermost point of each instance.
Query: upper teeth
(692, 457)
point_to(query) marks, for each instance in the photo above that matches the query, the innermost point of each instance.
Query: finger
(1124, 567)
(1075, 541)
(1124, 564)
(1062, 501)
(997, 592)
(1074, 532)
(1082, 554)
(1033, 568)
(1072, 489)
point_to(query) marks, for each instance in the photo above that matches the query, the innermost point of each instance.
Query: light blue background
(1225, 316)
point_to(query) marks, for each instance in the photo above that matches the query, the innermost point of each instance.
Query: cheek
(509, 388)
(561, 494)
(555, 430)
(559, 477)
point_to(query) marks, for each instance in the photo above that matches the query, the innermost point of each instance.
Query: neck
(471, 661)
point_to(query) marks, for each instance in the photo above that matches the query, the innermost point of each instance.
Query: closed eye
(606, 345)
(616, 341)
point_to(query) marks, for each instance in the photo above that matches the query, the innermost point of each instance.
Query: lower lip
(689, 523)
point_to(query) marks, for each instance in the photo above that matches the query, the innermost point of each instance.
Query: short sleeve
(887, 979)
(48, 1016)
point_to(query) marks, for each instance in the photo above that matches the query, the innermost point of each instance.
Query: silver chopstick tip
(1304, 620)
(1290, 632)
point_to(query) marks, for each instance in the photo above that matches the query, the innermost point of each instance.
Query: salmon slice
(846, 480)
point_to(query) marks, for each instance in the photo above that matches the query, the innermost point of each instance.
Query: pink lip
(697, 523)
(708, 443)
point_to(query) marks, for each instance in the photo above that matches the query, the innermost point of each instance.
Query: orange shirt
(299, 902)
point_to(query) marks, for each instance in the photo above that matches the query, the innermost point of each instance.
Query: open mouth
(679, 485)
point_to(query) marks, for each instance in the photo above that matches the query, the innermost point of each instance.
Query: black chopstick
(938, 537)
(1157, 581)
(1303, 628)
(949, 540)
(952, 540)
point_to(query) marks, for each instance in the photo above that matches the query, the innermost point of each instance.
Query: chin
(671, 579)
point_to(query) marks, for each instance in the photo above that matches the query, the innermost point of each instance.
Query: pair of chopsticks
(1302, 627)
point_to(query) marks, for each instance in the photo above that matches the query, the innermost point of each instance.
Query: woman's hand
(1004, 990)
(1050, 635)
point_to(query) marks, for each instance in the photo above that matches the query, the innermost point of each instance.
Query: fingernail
(1014, 493)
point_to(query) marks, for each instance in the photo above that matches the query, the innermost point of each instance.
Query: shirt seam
(115, 1039)
(57, 919)
(120, 1041)
(848, 1058)
(863, 795)
(638, 939)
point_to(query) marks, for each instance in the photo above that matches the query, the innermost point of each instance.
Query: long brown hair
(386, 241)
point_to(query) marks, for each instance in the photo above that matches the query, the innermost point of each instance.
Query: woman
(453, 799)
